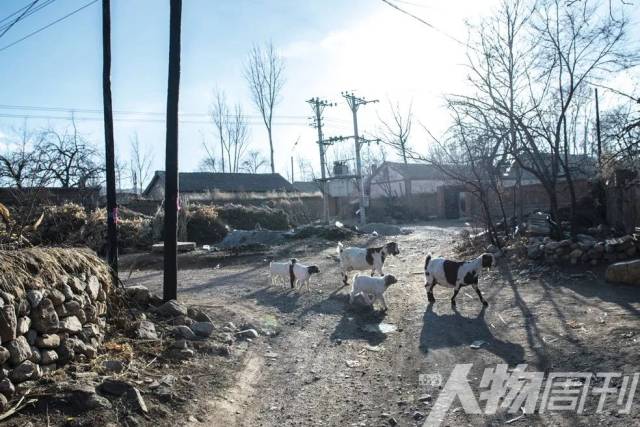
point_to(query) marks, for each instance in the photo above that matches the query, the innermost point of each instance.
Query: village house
(414, 190)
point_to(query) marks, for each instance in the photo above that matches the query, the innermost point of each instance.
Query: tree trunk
(273, 164)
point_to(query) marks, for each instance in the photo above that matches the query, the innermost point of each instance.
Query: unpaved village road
(324, 368)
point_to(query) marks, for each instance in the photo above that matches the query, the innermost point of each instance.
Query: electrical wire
(15, 21)
(33, 33)
(30, 12)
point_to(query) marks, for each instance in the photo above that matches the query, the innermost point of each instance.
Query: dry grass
(35, 268)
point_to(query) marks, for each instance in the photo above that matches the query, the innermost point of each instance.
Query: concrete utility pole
(170, 285)
(318, 105)
(112, 208)
(598, 133)
(354, 103)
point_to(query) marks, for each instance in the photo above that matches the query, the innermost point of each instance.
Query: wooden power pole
(598, 133)
(170, 286)
(112, 208)
(354, 103)
(318, 105)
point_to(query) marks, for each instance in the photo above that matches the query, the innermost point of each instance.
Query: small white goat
(364, 258)
(371, 286)
(302, 273)
(282, 270)
(455, 274)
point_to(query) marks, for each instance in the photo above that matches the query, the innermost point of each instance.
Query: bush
(252, 217)
(204, 225)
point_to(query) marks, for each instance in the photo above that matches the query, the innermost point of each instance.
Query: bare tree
(141, 160)
(264, 72)
(219, 113)
(395, 131)
(237, 135)
(254, 162)
(70, 159)
(21, 164)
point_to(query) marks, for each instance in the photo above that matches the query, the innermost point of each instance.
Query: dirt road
(328, 365)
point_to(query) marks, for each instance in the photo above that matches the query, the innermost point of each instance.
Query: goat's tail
(426, 261)
(340, 248)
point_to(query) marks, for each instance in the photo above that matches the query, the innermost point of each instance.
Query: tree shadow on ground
(455, 330)
(283, 300)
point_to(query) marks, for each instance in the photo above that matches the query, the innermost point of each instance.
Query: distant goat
(371, 286)
(364, 258)
(456, 274)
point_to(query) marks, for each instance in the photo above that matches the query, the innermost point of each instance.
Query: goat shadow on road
(449, 330)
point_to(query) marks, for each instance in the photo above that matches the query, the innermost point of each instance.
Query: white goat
(455, 274)
(302, 273)
(281, 270)
(371, 286)
(364, 258)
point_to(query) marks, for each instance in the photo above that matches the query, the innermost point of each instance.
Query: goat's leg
(344, 277)
(367, 300)
(482, 300)
(455, 293)
(430, 291)
(384, 303)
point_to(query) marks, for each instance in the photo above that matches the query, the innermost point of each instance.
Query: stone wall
(44, 326)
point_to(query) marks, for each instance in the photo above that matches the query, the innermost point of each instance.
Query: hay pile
(204, 225)
(134, 232)
(54, 303)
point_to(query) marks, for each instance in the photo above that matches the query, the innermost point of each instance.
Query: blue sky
(328, 45)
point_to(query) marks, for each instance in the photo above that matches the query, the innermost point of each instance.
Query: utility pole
(318, 105)
(354, 103)
(170, 285)
(598, 133)
(112, 208)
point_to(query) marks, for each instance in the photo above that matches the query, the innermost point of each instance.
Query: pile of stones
(584, 250)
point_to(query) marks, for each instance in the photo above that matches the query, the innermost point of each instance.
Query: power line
(33, 33)
(6, 18)
(8, 27)
(70, 110)
(428, 24)
(31, 12)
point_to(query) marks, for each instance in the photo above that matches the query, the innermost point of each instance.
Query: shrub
(60, 223)
(250, 217)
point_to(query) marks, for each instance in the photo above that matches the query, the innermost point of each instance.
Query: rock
(114, 387)
(47, 369)
(552, 246)
(203, 329)
(627, 272)
(48, 357)
(392, 421)
(7, 388)
(34, 297)
(102, 295)
(425, 398)
(66, 350)
(32, 335)
(492, 249)
(139, 294)
(24, 323)
(535, 251)
(91, 330)
(19, 350)
(146, 330)
(198, 315)
(48, 341)
(44, 317)
(113, 366)
(248, 333)
(180, 344)
(418, 415)
(67, 292)
(4, 404)
(4, 355)
(182, 320)
(8, 323)
(35, 355)
(172, 309)
(72, 307)
(83, 397)
(27, 370)
(56, 297)
(93, 287)
(185, 332)
(77, 285)
(71, 324)
(24, 308)
(90, 313)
